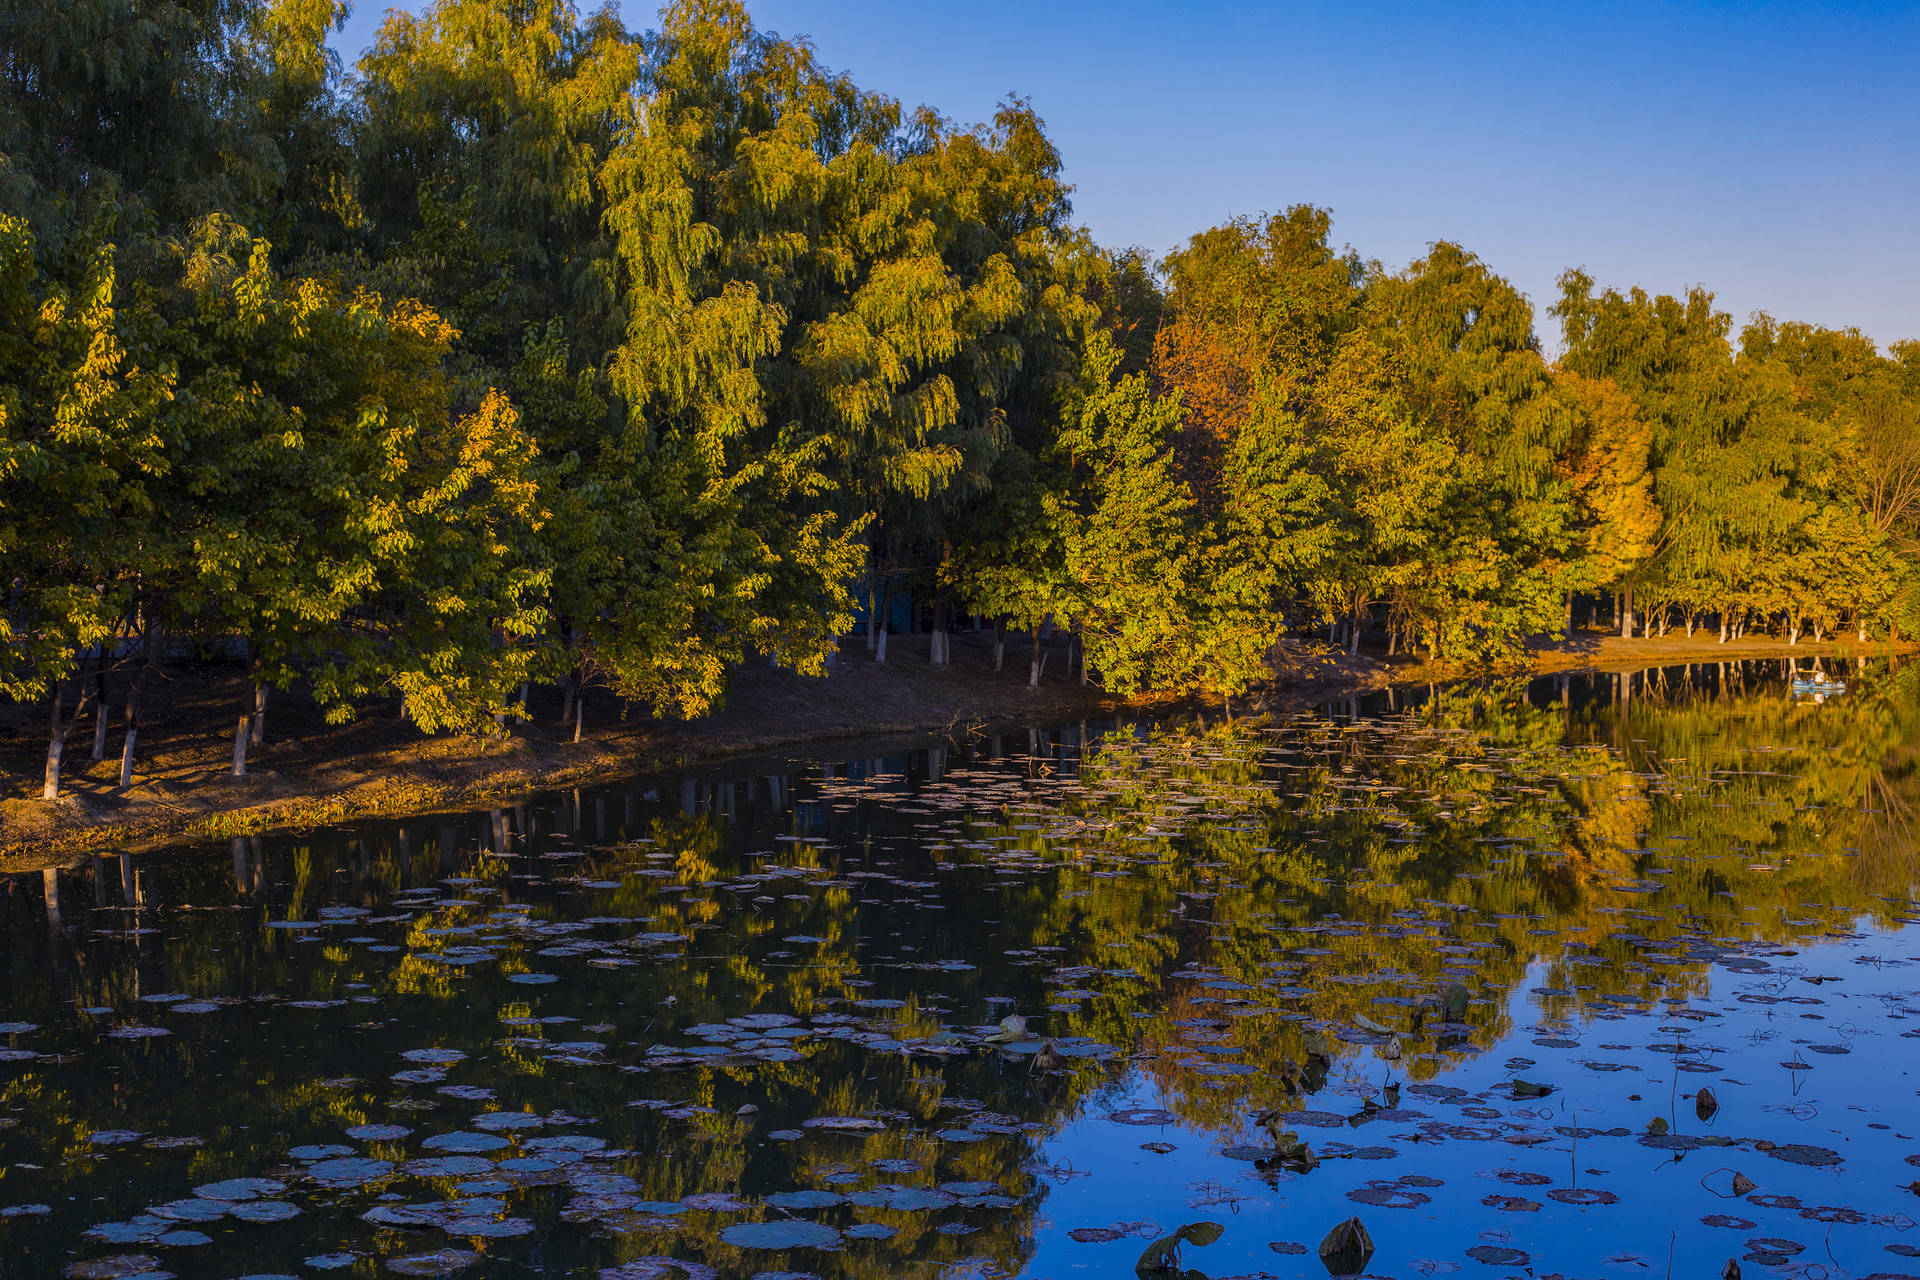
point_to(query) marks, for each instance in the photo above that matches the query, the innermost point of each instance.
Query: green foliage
(1783, 472)
(340, 513)
(537, 347)
(80, 460)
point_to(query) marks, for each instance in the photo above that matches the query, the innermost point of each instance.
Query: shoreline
(374, 768)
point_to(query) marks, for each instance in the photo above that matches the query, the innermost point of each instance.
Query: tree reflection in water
(748, 1021)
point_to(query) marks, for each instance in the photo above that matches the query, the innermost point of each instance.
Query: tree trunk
(1626, 614)
(880, 644)
(579, 711)
(257, 733)
(873, 616)
(133, 724)
(240, 744)
(1569, 622)
(1033, 665)
(56, 743)
(100, 712)
(1083, 677)
(999, 644)
(1353, 635)
(566, 698)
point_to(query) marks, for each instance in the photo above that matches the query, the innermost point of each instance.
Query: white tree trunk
(56, 744)
(126, 751)
(100, 716)
(240, 744)
(133, 725)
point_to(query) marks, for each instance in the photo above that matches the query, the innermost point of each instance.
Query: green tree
(346, 518)
(80, 465)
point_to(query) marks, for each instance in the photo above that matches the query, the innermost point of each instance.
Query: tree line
(533, 348)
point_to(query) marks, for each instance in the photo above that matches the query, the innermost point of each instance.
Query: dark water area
(1596, 976)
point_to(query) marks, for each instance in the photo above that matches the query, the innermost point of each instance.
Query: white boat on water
(1818, 685)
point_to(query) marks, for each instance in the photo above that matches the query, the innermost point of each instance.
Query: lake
(1597, 976)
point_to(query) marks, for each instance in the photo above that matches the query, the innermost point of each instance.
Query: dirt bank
(310, 773)
(1335, 676)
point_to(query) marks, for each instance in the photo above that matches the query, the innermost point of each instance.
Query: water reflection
(1459, 963)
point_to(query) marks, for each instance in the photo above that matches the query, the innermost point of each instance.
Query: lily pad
(1801, 1153)
(349, 1171)
(805, 1199)
(465, 1143)
(780, 1235)
(240, 1189)
(118, 1267)
(441, 1262)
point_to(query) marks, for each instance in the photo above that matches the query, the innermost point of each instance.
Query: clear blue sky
(1768, 151)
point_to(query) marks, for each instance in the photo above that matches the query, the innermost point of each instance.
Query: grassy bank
(310, 773)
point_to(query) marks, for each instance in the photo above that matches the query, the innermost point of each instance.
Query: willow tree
(482, 129)
(1474, 377)
(717, 539)
(1021, 279)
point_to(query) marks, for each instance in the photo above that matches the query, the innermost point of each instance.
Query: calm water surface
(1481, 953)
